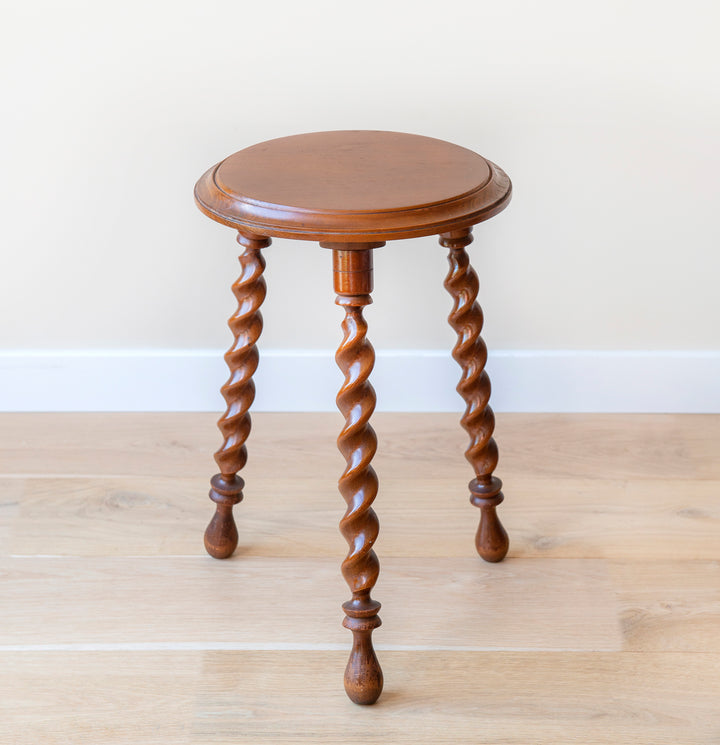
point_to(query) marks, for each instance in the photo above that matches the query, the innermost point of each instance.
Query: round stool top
(352, 186)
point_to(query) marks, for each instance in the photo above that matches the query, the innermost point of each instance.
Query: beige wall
(605, 115)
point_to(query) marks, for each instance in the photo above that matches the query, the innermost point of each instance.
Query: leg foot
(491, 540)
(363, 676)
(221, 535)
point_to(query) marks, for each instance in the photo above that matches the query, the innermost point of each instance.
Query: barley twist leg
(221, 536)
(358, 484)
(470, 352)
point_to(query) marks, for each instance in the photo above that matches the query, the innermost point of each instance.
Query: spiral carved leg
(478, 420)
(358, 484)
(221, 536)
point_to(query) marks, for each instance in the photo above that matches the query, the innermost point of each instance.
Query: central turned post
(353, 281)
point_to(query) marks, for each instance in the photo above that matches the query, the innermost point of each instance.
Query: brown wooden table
(352, 191)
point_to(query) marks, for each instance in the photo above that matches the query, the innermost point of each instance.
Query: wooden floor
(602, 625)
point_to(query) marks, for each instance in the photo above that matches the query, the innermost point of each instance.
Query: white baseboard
(407, 380)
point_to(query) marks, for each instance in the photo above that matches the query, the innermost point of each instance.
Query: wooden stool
(353, 191)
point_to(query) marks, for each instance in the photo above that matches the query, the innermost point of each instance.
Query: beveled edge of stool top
(352, 186)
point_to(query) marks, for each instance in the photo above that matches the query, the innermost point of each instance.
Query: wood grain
(602, 446)
(11, 491)
(358, 483)
(213, 698)
(539, 604)
(534, 698)
(355, 186)
(478, 420)
(57, 698)
(601, 626)
(567, 518)
(221, 535)
(669, 605)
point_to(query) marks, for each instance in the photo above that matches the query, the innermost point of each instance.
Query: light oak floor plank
(601, 627)
(209, 698)
(619, 446)
(474, 697)
(670, 605)
(570, 518)
(11, 496)
(63, 698)
(548, 604)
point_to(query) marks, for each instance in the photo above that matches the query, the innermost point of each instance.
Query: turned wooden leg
(358, 483)
(478, 420)
(221, 536)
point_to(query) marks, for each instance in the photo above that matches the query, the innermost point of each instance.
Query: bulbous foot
(491, 540)
(363, 676)
(221, 535)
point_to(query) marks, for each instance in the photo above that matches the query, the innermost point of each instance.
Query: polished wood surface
(352, 186)
(353, 282)
(357, 171)
(470, 353)
(600, 626)
(221, 535)
(352, 190)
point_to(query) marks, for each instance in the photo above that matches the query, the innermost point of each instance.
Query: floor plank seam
(286, 647)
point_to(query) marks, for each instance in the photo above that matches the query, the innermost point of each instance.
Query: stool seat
(352, 186)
